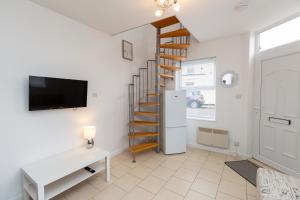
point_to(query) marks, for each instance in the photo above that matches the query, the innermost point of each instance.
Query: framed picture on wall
(127, 50)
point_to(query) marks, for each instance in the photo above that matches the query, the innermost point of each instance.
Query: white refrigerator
(174, 126)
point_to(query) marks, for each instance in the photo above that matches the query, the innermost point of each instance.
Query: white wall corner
(18, 196)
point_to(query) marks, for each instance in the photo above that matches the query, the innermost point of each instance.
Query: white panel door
(280, 120)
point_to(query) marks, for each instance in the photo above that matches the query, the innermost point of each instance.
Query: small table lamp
(89, 133)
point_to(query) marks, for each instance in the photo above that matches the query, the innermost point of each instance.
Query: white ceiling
(206, 19)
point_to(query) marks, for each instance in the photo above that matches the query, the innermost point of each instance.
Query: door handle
(280, 120)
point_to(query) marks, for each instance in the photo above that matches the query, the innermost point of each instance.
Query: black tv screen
(55, 93)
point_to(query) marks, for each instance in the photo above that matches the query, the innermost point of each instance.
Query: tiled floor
(196, 175)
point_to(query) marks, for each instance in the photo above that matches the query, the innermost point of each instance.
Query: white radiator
(213, 137)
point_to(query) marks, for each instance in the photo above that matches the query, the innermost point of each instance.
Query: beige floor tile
(251, 190)
(200, 151)
(218, 168)
(179, 157)
(191, 165)
(192, 195)
(186, 174)
(124, 156)
(210, 176)
(115, 162)
(217, 155)
(153, 162)
(222, 196)
(59, 197)
(167, 177)
(198, 157)
(205, 187)
(232, 158)
(99, 182)
(152, 184)
(233, 189)
(140, 171)
(178, 186)
(163, 173)
(142, 157)
(217, 160)
(130, 164)
(252, 198)
(172, 164)
(230, 175)
(165, 194)
(138, 194)
(119, 171)
(127, 182)
(83, 191)
(189, 151)
(110, 193)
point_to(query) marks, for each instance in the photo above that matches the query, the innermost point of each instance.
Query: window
(198, 78)
(282, 34)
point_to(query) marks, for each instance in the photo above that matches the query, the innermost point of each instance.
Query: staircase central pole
(157, 87)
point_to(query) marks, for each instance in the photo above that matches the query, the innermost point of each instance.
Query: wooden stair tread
(142, 147)
(166, 76)
(149, 104)
(169, 67)
(143, 134)
(177, 33)
(162, 85)
(174, 46)
(153, 94)
(144, 123)
(172, 57)
(151, 114)
(165, 22)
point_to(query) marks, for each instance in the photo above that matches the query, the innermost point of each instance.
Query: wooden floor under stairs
(142, 147)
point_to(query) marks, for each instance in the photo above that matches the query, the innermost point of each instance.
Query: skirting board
(217, 150)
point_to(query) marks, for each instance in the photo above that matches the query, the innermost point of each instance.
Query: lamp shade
(89, 132)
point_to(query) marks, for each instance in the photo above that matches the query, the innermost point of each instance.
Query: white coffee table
(51, 176)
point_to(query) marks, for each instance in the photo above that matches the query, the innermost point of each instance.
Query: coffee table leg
(107, 168)
(41, 193)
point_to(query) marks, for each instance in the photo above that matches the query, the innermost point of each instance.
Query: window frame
(215, 86)
(257, 33)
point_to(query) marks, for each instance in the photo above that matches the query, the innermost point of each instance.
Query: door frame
(260, 57)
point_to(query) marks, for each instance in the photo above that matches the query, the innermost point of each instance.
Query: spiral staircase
(146, 88)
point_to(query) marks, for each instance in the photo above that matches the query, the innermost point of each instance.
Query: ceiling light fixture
(165, 4)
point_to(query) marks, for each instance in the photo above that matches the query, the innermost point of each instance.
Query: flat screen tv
(54, 93)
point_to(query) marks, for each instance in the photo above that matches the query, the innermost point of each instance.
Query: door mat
(244, 168)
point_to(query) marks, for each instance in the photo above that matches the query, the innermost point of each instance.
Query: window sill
(201, 119)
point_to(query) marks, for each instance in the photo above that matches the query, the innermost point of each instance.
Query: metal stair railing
(148, 80)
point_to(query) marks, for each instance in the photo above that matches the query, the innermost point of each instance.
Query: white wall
(37, 41)
(232, 53)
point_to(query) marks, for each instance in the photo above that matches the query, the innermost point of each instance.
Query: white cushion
(273, 185)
